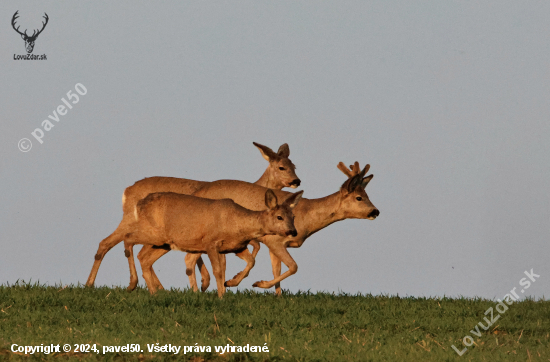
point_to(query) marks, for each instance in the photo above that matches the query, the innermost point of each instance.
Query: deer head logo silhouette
(29, 40)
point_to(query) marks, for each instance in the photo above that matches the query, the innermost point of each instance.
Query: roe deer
(311, 215)
(197, 225)
(280, 173)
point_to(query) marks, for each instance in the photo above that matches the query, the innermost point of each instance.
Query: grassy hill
(294, 327)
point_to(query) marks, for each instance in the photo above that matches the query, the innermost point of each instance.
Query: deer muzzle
(291, 233)
(29, 46)
(374, 214)
(295, 183)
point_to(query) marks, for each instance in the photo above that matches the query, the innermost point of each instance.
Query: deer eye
(359, 198)
(279, 218)
(282, 168)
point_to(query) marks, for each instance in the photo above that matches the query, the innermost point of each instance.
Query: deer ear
(270, 199)
(344, 169)
(293, 199)
(283, 151)
(23, 36)
(267, 152)
(353, 183)
(366, 181)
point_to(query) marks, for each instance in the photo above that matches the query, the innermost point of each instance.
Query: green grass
(296, 327)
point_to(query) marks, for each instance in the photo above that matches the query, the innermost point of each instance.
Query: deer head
(29, 40)
(355, 201)
(280, 219)
(280, 172)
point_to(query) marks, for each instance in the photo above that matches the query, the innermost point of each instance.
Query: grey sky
(448, 102)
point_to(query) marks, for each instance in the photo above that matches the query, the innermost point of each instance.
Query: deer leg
(214, 257)
(255, 247)
(205, 276)
(279, 250)
(156, 280)
(250, 261)
(223, 264)
(147, 256)
(276, 267)
(191, 259)
(157, 253)
(129, 253)
(104, 246)
(149, 251)
(146, 260)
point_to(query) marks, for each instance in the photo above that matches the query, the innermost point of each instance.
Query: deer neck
(267, 180)
(250, 224)
(320, 213)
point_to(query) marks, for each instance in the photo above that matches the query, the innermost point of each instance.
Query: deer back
(142, 188)
(186, 217)
(246, 194)
(190, 223)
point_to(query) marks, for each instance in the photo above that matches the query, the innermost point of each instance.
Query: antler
(15, 16)
(344, 169)
(353, 169)
(43, 26)
(35, 33)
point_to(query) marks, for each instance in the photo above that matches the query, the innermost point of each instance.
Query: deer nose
(291, 232)
(295, 182)
(374, 213)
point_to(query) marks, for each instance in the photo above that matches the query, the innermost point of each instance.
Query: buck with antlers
(280, 173)
(29, 40)
(198, 225)
(311, 215)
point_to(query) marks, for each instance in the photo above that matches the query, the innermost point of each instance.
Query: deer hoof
(231, 283)
(205, 283)
(262, 284)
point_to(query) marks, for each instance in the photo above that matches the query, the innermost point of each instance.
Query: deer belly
(190, 247)
(233, 247)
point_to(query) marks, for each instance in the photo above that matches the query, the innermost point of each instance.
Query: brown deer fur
(311, 215)
(280, 173)
(198, 225)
